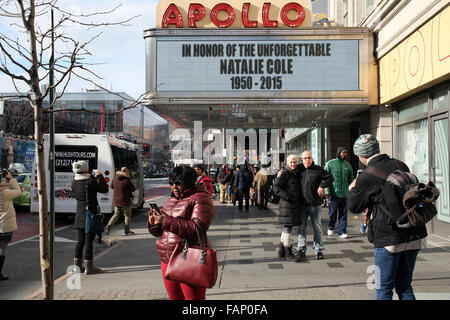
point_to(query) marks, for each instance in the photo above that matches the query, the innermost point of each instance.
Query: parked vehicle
(24, 180)
(102, 152)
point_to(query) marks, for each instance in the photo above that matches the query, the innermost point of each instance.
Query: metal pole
(51, 163)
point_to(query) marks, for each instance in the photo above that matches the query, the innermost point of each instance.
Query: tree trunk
(44, 248)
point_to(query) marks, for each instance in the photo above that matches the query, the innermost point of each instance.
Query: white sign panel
(246, 65)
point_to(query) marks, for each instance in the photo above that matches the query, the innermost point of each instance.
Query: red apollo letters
(197, 12)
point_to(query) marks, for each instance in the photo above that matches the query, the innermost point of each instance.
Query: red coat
(195, 203)
(208, 182)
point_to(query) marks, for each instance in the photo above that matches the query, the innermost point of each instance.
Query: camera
(4, 173)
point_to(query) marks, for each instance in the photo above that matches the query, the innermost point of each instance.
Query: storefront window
(413, 148)
(441, 175)
(413, 108)
(440, 99)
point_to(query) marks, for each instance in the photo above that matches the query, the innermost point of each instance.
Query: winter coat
(208, 182)
(123, 189)
(7, 213)
(311, 179)
(261, 181)
(382, 231)
(194, 204)
(95, 184)
(224, 176)
(343, 175)
(288, 188)
(243, 179)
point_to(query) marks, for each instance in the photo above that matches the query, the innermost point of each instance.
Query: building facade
(413, 55)
(95, 111)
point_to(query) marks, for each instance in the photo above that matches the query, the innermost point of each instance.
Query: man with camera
(9, 189)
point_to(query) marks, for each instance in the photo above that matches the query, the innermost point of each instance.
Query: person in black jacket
(243, 181)
(224, 179)
(313, 180)
(94, 184)
(287, 187)
(396, 249)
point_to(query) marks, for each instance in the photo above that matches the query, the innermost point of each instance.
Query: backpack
(409, 202)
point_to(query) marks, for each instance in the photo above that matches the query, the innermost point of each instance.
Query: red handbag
(192, 264)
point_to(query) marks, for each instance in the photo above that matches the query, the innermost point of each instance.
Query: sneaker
(130, 233)
(343, 236)
(319, 255)
(330, 232)
(363, 228)
(107, 230)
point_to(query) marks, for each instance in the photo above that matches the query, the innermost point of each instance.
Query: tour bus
(102, 152)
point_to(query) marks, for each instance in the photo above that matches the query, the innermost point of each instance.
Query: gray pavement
(249, 269)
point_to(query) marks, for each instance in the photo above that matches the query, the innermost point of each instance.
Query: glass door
(440, 171)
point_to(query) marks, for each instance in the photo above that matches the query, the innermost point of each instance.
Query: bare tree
(23, 54)
(18, 119)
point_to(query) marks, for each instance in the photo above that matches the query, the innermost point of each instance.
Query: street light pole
(51, 163)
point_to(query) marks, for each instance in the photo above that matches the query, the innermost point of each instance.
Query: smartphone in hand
(155, 207)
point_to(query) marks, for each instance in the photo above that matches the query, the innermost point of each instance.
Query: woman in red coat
(202, 177)
(189, 203)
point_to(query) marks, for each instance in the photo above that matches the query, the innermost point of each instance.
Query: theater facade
(258, 70)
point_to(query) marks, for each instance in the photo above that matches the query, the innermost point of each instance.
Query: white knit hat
(80, 167)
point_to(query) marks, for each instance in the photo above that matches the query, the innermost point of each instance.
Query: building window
(413, 108)
(413, 148)
(440, 99)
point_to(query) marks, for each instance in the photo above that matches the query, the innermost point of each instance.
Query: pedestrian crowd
(300, 188)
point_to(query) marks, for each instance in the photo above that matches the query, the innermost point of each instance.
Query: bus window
(66, 155)
(126, 158)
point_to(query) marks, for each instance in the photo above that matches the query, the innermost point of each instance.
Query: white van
(102, 152)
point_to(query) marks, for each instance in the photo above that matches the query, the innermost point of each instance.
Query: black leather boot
(78, 263)
(290, 254)
(299, 255)
(2, 262)
(89, 267)
(281, 251)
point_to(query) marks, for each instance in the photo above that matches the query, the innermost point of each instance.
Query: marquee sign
(280, 66)
(264, 65)
(233, 14)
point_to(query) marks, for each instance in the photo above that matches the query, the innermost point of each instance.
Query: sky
(119, 51)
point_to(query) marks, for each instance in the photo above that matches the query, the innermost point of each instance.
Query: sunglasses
(307, 158)
(177, 183)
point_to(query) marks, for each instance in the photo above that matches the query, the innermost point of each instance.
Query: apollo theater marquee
(254, 64)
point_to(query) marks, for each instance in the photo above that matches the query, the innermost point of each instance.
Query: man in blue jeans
(396, 249)
(313, 180)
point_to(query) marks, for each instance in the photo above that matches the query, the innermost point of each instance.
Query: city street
(248, 266)
(22, 264)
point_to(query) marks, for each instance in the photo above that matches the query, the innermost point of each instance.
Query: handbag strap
(202, 246)
(87, 203)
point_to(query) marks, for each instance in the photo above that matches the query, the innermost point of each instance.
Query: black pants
(86, 242)
(244, 193)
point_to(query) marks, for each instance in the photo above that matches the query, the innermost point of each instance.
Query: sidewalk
(249, 269)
